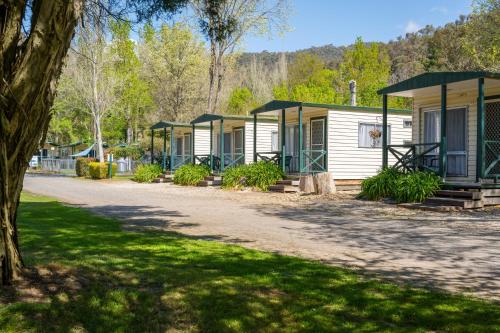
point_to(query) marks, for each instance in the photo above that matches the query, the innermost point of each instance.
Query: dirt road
(453, 251)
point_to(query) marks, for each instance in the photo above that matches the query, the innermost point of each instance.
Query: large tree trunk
(100, 148)
(29, 67)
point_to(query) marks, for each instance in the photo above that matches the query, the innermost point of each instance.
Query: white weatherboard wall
(264, 133)
(202, 141)
(346, 160)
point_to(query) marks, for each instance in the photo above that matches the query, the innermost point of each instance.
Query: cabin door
(292, 147)
(187, 146)
(239, 145)
(456, 129)
(492, 139)
(317, 158)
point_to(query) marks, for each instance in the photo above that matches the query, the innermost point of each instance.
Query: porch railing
(202, 159)
(314, 161)
(233, 159)
(492, 159)
(180, 160)
(270, 156)
(416, 156)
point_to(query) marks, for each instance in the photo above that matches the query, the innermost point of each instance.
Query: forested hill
(330, 54)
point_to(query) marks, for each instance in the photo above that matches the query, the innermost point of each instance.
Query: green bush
(146, 173)
(381, 185)
(99, 170)
(258, 175)
(402, 187)
(235, 177)
(135, 153)
(191, 174)
(416, 187)
(82, 166)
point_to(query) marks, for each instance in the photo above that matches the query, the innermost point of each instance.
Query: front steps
(164, 178)
(467, 198)
(287, 185)
(211, 181)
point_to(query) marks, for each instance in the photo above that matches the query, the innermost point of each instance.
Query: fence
(54, 164)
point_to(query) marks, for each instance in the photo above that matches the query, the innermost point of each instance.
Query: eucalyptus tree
(35, 36)
(225, 23)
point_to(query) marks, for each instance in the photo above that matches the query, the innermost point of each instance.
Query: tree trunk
(30, 66)
(220, 77)
(211, 75)
(323, 183)
(306, 184)
(100, 149)
(130, 135)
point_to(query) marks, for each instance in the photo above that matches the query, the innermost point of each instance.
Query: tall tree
(35, 36)
(132, 92)
(175, 66)
(225, 23)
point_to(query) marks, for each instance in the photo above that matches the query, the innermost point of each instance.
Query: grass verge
(88, 275)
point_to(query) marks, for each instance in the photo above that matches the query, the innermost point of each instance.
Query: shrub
(191, 174)
(145, 173)
(235, 177)
(381, 185)
(410, 187)
(258, 175)
(416, 187)
(135, 153)
(99, 170)
(82, 166)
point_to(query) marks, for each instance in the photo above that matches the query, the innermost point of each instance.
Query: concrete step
(460, 194)
(213, 178)
(283, 188)
(464, 203)
(167, 176)
(290, 182)
(429, 207)
(205, 183)
(163, 180)
(347, 187)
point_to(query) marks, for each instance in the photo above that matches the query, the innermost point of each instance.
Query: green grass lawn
(97, 278)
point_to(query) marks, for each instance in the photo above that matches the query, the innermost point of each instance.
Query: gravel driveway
(452, 251)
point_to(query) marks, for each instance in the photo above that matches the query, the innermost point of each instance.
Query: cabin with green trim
(456, 127)
(180, 141)
(344, 140)
(233, 135)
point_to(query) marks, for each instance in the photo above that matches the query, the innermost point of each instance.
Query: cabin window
(407, 123)
(370, 135)
(274, 141)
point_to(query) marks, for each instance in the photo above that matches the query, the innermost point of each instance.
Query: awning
(85, 152)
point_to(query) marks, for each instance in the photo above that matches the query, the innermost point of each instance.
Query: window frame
(375, 124)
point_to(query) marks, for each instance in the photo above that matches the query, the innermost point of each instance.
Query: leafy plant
(381, 185)
(235, 177)
(99, 170)
(135, 153)
(146, 173)
(416, 187)
(82, 166)
(258, 175)
(402, 187)
(191, 174)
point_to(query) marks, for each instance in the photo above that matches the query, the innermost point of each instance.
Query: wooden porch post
(192, 146)
(443, 147)
(211, 145)
(221, 145)
(385, 152)
(152, 145)
(171, 148)
(164, 154)
(480, 131)
(300, 140)
(255, 137)
(283, 151)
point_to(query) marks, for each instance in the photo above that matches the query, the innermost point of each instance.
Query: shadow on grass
(88, 274)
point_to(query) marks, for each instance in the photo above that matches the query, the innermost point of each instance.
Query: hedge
(99, 170)
(190, 174)
(258, 175)
(146, 173)
(82, 166)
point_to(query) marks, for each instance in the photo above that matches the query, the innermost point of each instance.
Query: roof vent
(352, 88)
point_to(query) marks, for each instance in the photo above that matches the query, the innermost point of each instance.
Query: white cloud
(439, 9)
(411, 26)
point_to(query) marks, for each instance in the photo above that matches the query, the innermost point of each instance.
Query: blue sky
(339, 22)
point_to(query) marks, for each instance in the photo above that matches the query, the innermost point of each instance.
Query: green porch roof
(435, 79)
(168, 124)
(276, 105)
(205, 118)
